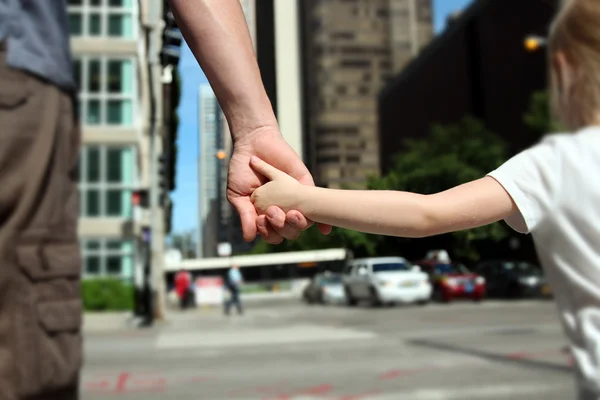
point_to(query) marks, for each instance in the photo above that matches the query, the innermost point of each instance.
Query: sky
(185, 196)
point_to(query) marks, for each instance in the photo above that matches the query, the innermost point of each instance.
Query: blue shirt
(235, 276)
(37, 37)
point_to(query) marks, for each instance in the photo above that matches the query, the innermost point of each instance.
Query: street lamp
(534, 43)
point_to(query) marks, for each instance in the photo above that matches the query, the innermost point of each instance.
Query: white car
(385, 280)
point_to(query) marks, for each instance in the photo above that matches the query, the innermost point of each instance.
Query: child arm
(392, 213)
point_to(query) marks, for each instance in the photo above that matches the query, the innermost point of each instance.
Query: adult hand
(275, 225)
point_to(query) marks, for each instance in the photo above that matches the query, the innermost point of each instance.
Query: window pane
(113, 203)
(114, 166)
(116, 3)
(113, 245)
(114, 76)
(93, 112)
(92, 265)
(77, 73)
(118, 25)
(95, 25)
(95, 2)
(94, 76)
(93, 164)
(75, 24)
(92, 245)
(92, 203)
(75, 2)
(119, 112)
(113, 265)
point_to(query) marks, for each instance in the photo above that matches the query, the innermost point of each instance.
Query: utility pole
(153, 27)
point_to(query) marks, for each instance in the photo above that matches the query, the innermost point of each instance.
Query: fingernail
(271, 213)
(293, 220)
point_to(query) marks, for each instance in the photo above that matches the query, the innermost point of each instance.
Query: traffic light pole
(153, 280)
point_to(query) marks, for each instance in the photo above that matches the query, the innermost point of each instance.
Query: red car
(453, 281)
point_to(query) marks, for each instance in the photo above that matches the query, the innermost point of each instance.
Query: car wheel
(349, 299)
(438, 296)
(423, 302)
(375, 300)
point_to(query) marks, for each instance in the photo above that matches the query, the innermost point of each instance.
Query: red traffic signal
(140, 198)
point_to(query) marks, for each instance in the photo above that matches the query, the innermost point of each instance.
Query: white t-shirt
(556, 187)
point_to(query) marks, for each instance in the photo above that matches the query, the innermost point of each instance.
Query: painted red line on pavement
(319, 390)
(121, 382)
(395, 373)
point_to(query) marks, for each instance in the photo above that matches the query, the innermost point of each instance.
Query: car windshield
(442, 269)
(391, 267)
(331, 280)
(522, 268)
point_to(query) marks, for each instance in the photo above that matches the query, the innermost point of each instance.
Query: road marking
(475, 393)
(260, 337)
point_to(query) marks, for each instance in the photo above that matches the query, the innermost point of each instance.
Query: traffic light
(140, 198)
(172, 39)
(534, 43)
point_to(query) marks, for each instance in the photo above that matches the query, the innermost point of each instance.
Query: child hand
(282, 190)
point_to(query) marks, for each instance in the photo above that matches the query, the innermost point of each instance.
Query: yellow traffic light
(534, 43)
(221, 155)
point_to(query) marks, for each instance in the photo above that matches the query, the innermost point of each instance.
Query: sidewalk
(258, 305)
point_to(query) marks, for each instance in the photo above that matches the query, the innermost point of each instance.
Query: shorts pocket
(49, 316)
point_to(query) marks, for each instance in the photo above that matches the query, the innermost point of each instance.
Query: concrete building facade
(110, 64)
(351, 49)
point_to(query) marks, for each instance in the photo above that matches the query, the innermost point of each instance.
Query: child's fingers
(265, 169)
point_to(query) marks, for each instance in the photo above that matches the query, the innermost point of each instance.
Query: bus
(276, 271)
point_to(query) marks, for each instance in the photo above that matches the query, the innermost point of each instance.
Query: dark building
(477, 67)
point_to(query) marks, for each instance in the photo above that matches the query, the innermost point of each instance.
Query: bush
(107, 295)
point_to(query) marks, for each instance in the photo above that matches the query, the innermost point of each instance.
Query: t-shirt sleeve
(530, 178)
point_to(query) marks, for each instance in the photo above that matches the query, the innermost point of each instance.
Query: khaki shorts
(40, 262)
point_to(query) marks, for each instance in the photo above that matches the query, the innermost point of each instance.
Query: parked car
(453, 281)
(385, 280)
(514, 279)
(325, 288)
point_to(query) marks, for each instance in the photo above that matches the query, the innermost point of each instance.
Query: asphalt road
(492, 350)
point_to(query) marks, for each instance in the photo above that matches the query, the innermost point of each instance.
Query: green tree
(538, 118)
(452, 155)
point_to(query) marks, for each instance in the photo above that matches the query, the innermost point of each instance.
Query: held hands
(274, 225)
(282, 191)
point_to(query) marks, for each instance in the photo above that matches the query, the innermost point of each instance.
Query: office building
(208, 172)
(479, 67)
(110, 67)
(351, 49)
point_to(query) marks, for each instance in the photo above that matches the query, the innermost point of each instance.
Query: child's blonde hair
(576, 33)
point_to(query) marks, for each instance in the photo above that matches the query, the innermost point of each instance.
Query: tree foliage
(538, 117)
(452, 155)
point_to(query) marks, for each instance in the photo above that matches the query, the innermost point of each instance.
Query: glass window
(114, 18)
(392, 266)
(108, 94)
(108, 257)
(92, 265)
(95, 25)
(107, 177)
(75, 23)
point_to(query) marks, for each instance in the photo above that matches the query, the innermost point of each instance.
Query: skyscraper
(351, 49)
(208, 174)
(110, 70)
